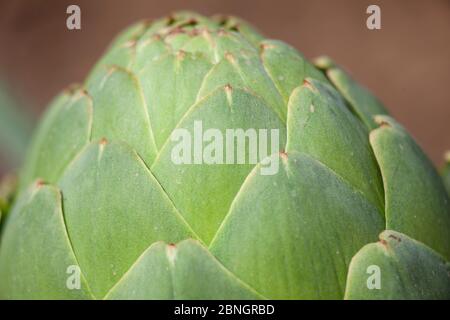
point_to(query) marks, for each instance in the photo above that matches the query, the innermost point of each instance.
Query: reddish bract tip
(170, 20)
(147, 22)
(384, 124)
(222, 19)
(129, 44)
(103, 141)
(195, 32)
(383, 242)
(235, 28)
(181, 54)
(191, 22)
(395, 238)
(381, 122)
(40, 183)
(70, 90)
(229, 56)
(307, 84)
(172, 245)
(176, 30)
(283, 155)
(222, 32)
(228, 87)
(265, 46)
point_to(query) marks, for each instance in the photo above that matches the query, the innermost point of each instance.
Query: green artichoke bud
(354, 210)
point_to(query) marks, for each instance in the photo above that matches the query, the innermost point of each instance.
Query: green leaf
(170, 86)
(287, 67)
(188, 20)
(214, 45)
(364, 104)
(63, 132)
(123, 57)
(35, 251)
(203, 43)
(148, 49)
(113, 201)
(212, 186)
(292, 235)
(120, 112)
(244, 71)
(183, 271)
(177, 39)
(417, 203)
(240, 26)
(320, 125)
(398, 267)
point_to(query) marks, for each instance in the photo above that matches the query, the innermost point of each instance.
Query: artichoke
(355, 210)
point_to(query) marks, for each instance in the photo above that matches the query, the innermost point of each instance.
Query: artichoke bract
(355, 209)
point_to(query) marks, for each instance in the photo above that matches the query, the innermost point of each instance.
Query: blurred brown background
(406, 63)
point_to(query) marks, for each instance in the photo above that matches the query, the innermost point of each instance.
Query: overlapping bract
(110, 201)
